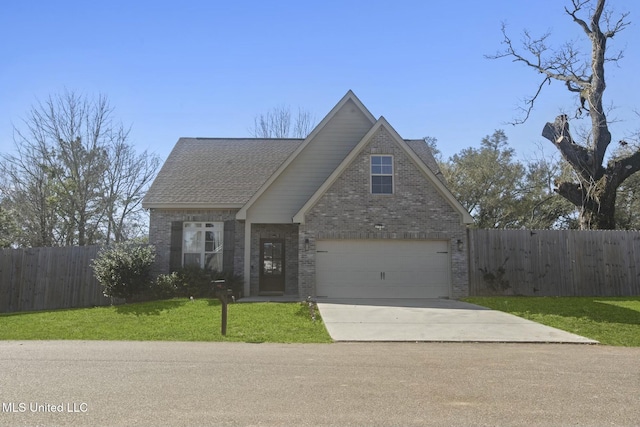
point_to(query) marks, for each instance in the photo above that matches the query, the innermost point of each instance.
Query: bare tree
(276, 123)
(7, 228)
(57, 171)
(304, 124)
(595, 186)
(125, 182)
(28, 191)
(74, 179)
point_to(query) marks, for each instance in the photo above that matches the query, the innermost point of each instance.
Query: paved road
(358, 384)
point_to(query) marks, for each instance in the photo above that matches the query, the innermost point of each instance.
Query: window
(202, 244)
(382, 174)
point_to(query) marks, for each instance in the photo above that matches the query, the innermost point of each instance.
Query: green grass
(612, 321)
(171, 320)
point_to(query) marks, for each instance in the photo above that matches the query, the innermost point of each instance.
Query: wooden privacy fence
(554, 262)
(501, 262)
(48, 278)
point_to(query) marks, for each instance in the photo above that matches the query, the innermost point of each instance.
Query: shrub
(124, 269)
(197, 282)
(167, 285)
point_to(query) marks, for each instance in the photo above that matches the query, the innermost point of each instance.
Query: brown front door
(272, 265)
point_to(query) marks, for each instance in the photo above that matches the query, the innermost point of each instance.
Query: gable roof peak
(348, 97)
(404, 145)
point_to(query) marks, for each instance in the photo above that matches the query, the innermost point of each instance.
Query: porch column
(247, 258)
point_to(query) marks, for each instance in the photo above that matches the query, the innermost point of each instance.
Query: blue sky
(207, 68)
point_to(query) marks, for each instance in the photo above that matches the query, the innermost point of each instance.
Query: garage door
(382, 269)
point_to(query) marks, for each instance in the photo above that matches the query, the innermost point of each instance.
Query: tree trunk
(595, 193)
(603, 219)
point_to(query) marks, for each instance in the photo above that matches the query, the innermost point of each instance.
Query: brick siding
(415, 210)
(160, 234)
(348, 210)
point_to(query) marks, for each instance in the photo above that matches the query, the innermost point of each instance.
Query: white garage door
(382, 269)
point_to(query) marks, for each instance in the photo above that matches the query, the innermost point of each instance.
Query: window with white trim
(202, 244)
(382, 174)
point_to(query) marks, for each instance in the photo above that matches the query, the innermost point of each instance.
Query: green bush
(167, 285)
(124, 269)
(197, 282)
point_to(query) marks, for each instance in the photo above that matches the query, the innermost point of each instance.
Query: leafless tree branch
(276, 123)
(75, 179)
(584, 76)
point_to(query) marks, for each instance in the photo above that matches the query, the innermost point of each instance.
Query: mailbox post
(222, 293)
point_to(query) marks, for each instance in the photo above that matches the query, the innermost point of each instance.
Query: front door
(271, 266)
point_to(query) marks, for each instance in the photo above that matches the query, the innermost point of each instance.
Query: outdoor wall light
(379, 226)
(459, 242)
(306, 244)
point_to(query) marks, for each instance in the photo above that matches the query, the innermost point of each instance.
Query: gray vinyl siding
(288, 193)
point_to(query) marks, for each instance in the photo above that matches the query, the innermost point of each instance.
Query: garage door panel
(382, 269)
(357, 278)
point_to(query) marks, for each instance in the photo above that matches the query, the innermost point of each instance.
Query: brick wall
(160, 234)
(416, 210)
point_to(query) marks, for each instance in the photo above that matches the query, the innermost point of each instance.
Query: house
(352, 211)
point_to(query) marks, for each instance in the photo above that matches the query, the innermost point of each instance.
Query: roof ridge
(217, 138)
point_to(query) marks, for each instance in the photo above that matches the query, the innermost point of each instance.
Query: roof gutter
(192, 205)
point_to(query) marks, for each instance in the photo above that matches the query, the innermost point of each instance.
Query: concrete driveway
(432, 320)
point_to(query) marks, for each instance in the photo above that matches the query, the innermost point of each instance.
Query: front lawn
(612, 321)
(170, 320)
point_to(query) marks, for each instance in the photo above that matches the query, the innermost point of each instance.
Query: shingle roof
(424, 152)
(217, 171)
(212, 172)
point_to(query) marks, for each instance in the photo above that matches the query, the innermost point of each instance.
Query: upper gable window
(382, 174)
